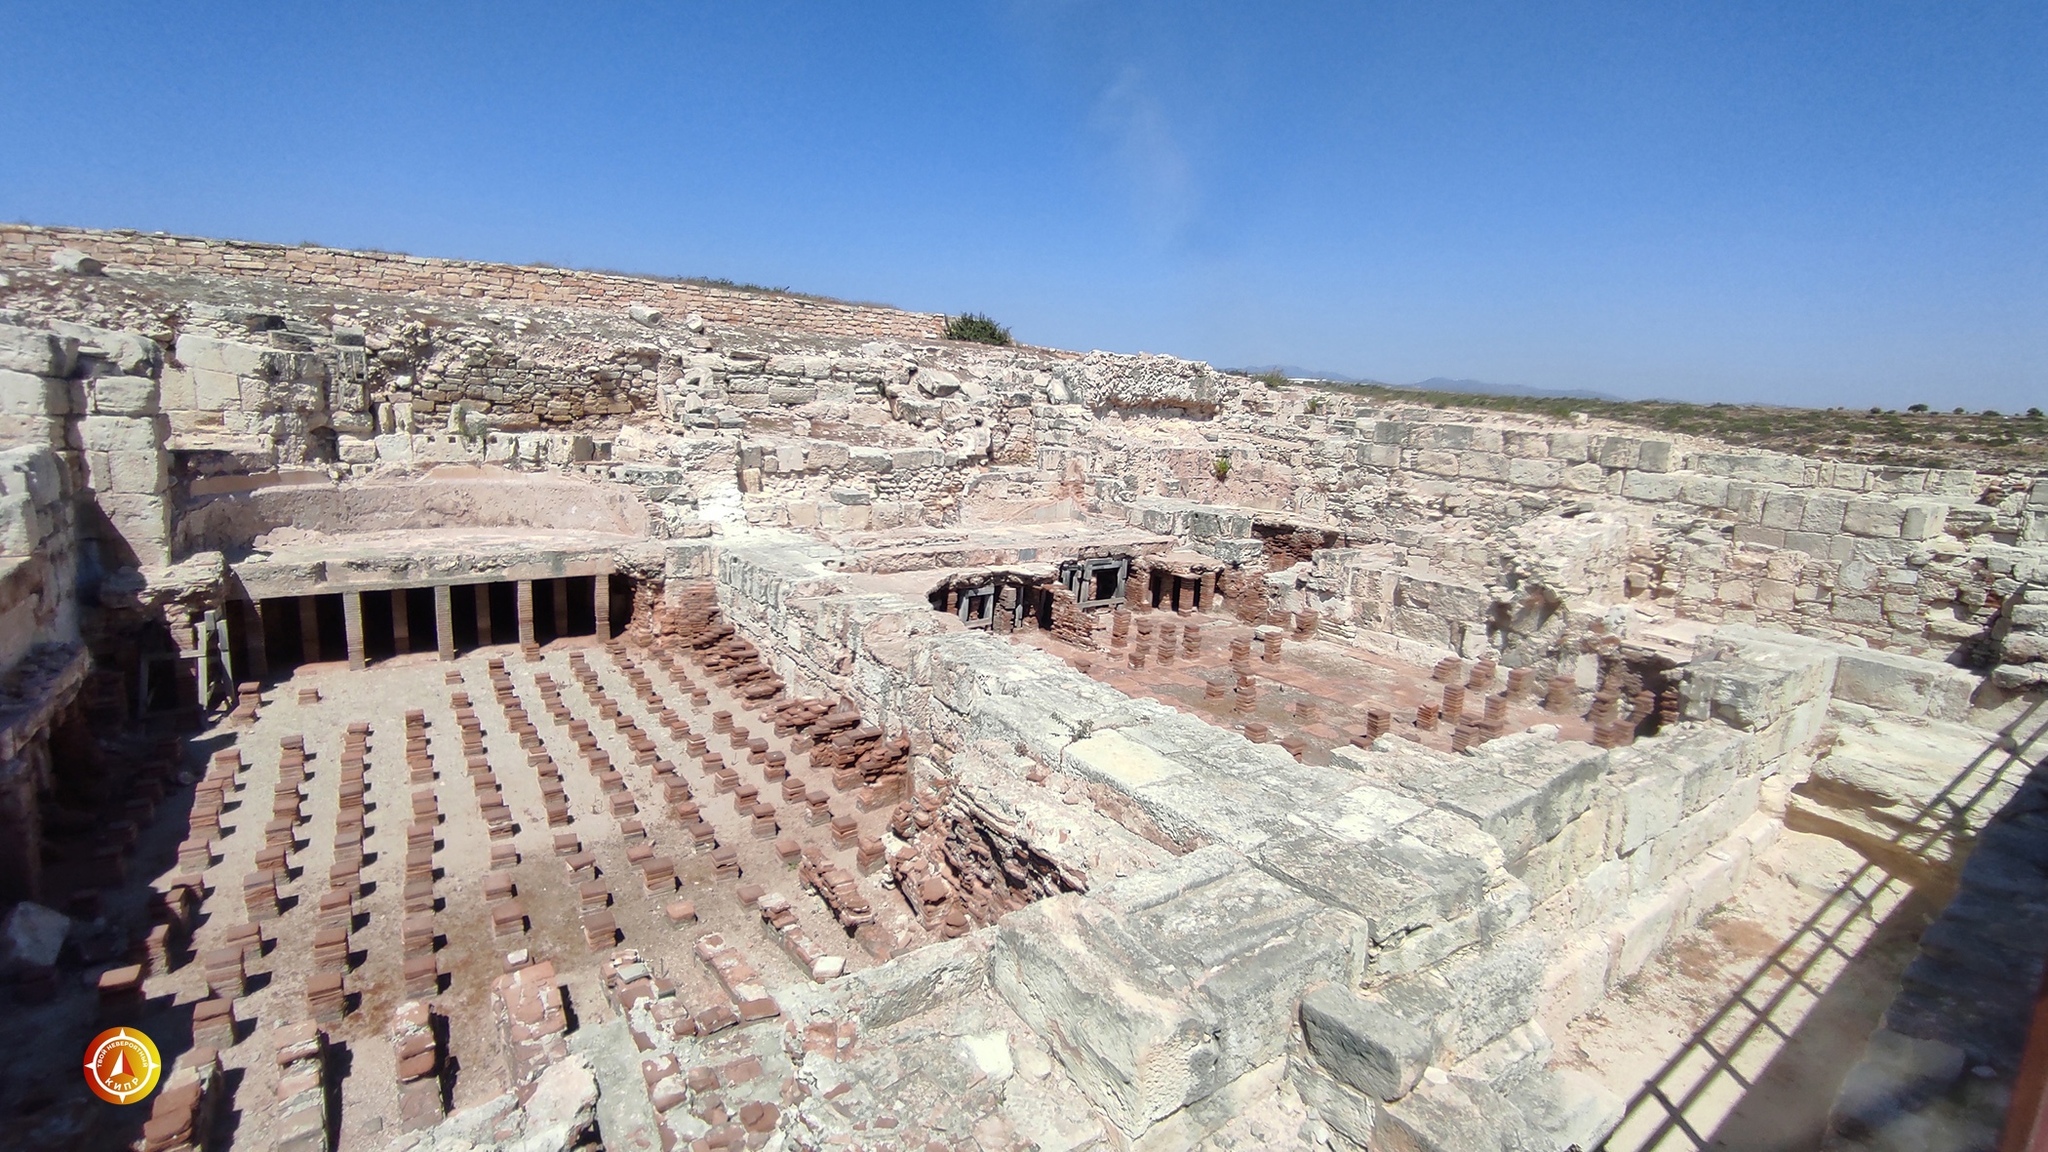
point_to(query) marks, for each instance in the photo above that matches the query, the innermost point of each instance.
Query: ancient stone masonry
(456, 706)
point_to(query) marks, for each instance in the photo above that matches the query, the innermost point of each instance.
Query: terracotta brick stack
(417, 1045)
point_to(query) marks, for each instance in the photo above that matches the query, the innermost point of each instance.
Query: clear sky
(1820, 203)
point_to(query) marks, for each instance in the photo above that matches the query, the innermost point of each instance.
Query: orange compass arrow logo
(122, 1065)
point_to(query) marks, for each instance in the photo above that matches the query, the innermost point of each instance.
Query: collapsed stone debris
(787, 725)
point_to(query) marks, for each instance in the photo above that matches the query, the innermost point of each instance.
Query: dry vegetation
(1985, 441)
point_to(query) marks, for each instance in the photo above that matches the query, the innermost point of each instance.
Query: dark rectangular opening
(281, 632)
(463, 615)
(1104, 584)
(380, 641)
(333, 627)
(504, 613)
(421, 627)
(545, 627)
(582, 607)
(241, 618)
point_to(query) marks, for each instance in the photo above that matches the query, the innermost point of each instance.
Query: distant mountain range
(1436, 384)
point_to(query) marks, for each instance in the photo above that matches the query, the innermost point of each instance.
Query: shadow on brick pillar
(309, 630)
(256, 641)
(444, 621)
(482, 593)
(523, 591)
(352, 629)
(401, 623)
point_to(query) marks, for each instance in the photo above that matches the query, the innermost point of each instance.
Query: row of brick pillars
(444, 621)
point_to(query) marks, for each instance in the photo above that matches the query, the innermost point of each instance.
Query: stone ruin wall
(1423, 907)
(1555, 872)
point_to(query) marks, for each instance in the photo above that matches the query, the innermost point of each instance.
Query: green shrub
(1222, 467)
(1272, 379)
(976, 328)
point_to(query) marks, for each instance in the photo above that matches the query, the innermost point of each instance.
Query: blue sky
(1820, 203)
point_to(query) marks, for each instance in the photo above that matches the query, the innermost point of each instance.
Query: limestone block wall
(1499, 893)
(387, 272)
(90, 396)
(38, 553)
(1917, 559)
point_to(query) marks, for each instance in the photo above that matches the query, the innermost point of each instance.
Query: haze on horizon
(1842, 204)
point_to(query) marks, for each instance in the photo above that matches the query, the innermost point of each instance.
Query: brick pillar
(202, 638)
(560, 588)
(601, 596)
(483, 614)
(1208, 591)
(309, 630)
(255, 643)
(1138, 588)
(525, 613)
(444, 621)
(401, 623)
(352, 628)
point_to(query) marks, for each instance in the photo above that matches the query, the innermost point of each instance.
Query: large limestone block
(24, 394)
(1894, 682)
(136, 473)
(122, 433)
(124, 396)
(1396, 885)
(1912, 793)
(35, 351)
(1747, 682)
(227, 356)
(31, 483)
(1151, 1008)
(1451, 1114)
(126, 352)
(1363, 1042)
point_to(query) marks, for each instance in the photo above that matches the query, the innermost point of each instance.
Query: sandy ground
(1749, 1021)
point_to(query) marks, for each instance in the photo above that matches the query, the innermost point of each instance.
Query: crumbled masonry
(454, 706)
